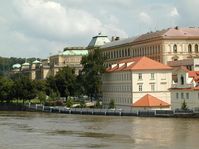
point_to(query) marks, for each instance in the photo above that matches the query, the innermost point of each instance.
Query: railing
(182, 86)
(114, 112)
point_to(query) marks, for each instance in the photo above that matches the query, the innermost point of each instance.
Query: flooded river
(25, 130)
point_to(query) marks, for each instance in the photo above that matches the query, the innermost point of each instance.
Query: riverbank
(114, 112)
(12, 107)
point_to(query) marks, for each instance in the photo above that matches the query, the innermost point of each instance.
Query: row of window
(117, 88)
(190, 49)
(182, 95)
(124, 76)
(117, 77)
(140, 87)
(152, 76)
(135, 52)
(122, 100)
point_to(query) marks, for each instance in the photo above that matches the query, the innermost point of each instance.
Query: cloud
(50, 19)
(145, 18)
(174, 12)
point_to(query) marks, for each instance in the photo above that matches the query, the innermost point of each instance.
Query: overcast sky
(38, 28)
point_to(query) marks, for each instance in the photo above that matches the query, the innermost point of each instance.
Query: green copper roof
(75, 52)
(16, 66)
(26, 64)
(36, 62)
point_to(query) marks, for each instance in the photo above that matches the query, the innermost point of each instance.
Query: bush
(111, 104)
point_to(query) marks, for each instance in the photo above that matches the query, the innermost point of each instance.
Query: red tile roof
(150, 101)
(140, 63)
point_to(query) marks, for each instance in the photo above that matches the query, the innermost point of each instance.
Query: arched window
(189, 48)
(196, 48)
(182, 80)
(175, 50)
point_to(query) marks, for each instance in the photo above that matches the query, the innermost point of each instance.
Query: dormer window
(175, 48)
(182, 80)
(189, 48)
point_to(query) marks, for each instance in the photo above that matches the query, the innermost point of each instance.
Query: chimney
(176, 27)
(117, 38)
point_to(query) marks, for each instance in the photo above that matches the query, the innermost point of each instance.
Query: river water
(29, 130)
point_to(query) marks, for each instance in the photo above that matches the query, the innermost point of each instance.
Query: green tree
(6, 89)
(65, 82)
(111, 104)
(184, 106)
(42, 97)
(69, 102)
(92, 73)
(24, 89)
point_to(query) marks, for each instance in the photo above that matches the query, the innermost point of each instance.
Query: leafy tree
(65, 81)
(51, 86)
(111, 104)
(98, 104)
(6, 89)
(42, 97)
(82, 104)
(24, 89)
(69, 102)
(92, 72)
(184, 106)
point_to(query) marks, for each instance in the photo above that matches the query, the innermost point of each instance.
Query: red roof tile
(140, 63)
(150, 101)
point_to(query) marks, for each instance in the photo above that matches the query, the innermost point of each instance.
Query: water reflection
(43, 130)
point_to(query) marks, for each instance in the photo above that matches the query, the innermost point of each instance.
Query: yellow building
(166, 45)
(71, 56)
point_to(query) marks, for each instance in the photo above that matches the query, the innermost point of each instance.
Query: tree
(24, 89)
(42, 97)
(6, 89)
(69, 102)
(111, 104)
(184, 106)
(92, 73)
(65, 82)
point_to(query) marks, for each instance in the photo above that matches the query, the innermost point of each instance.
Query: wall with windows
(152, 82)
(160, 50)
(191, 98)
(126, 87)
(180, 49)
(117, 86)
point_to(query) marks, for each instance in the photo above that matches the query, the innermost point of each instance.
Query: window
(175, 48)
(182, 80)
(196, 48)
(152, 76)
(152, 87)
(177, 96)
(140, 76)
(182, 95)
(140, 87)
(189, 48)
(187, 95)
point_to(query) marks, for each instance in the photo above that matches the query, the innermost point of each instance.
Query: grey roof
(119, 42)
(185, 33)
(98, 41)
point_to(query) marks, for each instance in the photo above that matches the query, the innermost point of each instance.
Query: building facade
(185, 88)
(166, 45)
(129, 80)
(71, 56)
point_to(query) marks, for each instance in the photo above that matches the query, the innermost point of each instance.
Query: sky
(40, 28)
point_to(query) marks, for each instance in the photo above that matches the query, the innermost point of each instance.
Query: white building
(185, 88)
(131, 79)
